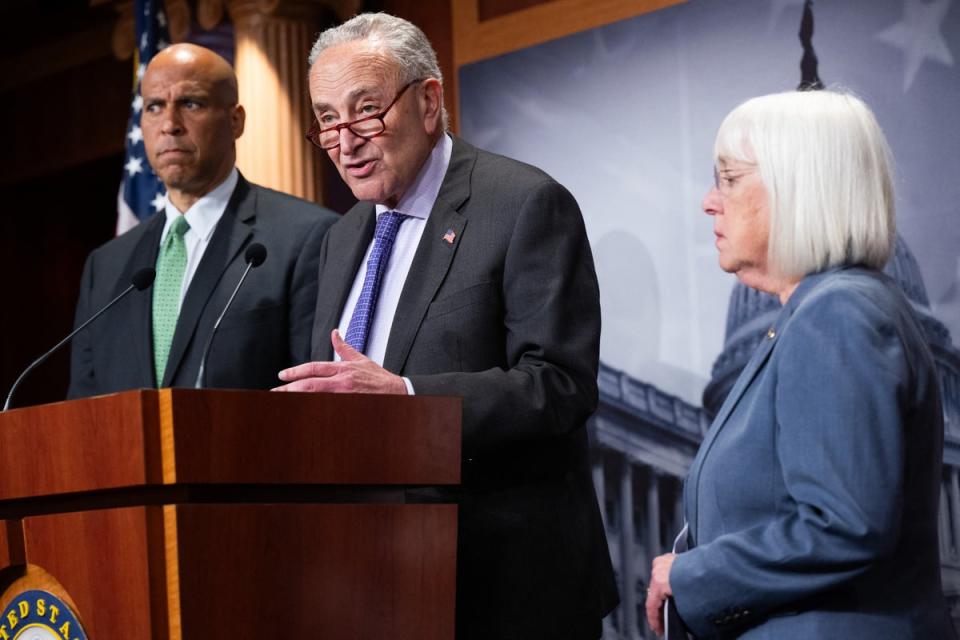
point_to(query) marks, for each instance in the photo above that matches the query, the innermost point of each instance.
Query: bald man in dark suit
(190, 121)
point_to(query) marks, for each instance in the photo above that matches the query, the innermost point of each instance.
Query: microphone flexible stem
(202, 372)
(43, 358)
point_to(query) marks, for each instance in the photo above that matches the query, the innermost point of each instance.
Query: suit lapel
(139, 332)
(338, 272)
(749, 372)
(433, 257)
(232, 231)
(762, 353)
(755, 364)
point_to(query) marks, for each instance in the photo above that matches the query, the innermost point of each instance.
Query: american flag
(141, 193)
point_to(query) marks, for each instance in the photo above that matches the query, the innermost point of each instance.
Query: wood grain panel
(475, 39)
(75, 446)
(488, 9)
(101, 559)
(11, 543)
(257, 437)
(172, 436)
(317, 571)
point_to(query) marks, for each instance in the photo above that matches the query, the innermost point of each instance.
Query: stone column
(628, 592)
(273, 38)
(599, 485)
(954, 495)
(654, 544)
(945, 523)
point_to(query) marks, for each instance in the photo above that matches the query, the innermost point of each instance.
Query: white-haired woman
(811, 506)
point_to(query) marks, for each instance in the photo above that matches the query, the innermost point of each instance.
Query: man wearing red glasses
(468, 274)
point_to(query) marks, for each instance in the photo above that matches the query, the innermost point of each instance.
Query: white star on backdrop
(162, 44)
(141, 69)
(918, 36)
(777, 7)
(158, 202)
(135, 135)
(137, 103)
(161, 18)
(144, 40)
(134, 166)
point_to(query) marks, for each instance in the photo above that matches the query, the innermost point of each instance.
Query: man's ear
(432, 105)
(237, 119)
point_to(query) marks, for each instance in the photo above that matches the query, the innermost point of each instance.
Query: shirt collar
(206, 212)
(419, 199)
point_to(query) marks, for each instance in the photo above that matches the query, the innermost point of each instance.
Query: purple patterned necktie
(388, 223)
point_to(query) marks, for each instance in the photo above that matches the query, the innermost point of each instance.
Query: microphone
(140, 281)
(255, 254)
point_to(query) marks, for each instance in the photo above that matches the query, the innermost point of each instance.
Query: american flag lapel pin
(450, 236)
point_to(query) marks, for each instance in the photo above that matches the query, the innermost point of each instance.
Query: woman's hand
(659, 591)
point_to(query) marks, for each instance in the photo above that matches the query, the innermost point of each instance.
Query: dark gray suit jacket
(266, 329)
(812, 503)
(508, 318)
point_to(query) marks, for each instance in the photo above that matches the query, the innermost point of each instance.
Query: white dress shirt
(416, 203)
(202, 217)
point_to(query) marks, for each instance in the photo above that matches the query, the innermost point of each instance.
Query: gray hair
(826, 167)
(401, 39)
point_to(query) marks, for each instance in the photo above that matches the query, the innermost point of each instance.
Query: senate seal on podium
(39, 615)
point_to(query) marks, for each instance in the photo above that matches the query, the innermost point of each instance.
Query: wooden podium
(234, 514)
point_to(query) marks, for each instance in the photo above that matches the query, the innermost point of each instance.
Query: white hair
(826, 166)
(401, 40)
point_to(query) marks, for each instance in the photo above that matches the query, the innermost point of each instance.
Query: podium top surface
(208, 437)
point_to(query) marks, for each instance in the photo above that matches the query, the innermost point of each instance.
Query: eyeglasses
(367, 127)
(725, 179)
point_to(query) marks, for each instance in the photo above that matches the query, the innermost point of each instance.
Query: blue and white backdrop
(624, 116)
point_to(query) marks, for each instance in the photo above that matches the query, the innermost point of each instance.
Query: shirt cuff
(409, 385)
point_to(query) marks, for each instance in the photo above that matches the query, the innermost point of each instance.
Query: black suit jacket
(507, 317)
(266, 329)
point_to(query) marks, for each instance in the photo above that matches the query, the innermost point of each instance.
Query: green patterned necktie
(171, 263)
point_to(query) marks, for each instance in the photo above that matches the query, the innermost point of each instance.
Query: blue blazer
(812, 503)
